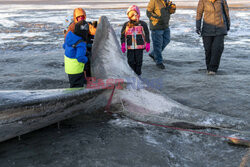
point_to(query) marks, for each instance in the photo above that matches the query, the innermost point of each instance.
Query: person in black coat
(216, 24)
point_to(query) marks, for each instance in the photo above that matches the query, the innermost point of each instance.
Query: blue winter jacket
(79, 52)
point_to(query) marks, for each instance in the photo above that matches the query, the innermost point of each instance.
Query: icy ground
(31, 57)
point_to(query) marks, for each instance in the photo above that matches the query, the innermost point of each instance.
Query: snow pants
(214, 46)
(135, 58)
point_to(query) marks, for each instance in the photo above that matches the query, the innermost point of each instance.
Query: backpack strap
(79, 41)
(224, 13)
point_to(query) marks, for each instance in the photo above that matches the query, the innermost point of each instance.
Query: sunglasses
(133, 14)
(80, 18)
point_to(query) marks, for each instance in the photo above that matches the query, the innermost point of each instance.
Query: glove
(168, 3)
(123, 48)
(94, 23)
(198, 31)
(147, 47)
(85, 59)
(172, 7)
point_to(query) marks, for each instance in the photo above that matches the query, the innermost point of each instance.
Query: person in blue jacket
(75, 54)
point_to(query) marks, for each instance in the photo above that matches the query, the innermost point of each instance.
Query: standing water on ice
(32, 58)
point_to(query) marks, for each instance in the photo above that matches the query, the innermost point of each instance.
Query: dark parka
(216, 20)
(158, 14)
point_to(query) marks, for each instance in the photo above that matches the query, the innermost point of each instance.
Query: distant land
(66, 4)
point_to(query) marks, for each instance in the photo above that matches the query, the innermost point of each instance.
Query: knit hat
(82, 29)
(133, 11)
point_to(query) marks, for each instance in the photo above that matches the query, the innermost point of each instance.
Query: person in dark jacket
(216, 23)
(135, 35)
(90, 40)
(75, 54)
(158, 12)
(79, 14)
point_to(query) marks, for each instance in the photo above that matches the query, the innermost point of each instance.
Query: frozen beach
(31, 57)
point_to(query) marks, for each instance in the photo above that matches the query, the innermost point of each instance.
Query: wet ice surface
(32, 58)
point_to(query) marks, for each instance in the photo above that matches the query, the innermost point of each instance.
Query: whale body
(138, 100)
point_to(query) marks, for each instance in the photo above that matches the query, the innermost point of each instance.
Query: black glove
(168, 3)
(198, 31)
(94, 24)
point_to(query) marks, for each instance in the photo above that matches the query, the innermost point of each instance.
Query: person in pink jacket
(135, 38)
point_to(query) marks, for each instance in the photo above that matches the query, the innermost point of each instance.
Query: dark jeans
(87, 69)
(135, 58)
(161, 39)
(76, 80)
(214, 46)
(87, 65)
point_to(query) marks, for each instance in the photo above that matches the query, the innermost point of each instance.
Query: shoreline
(26, 7)
(107, 4)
